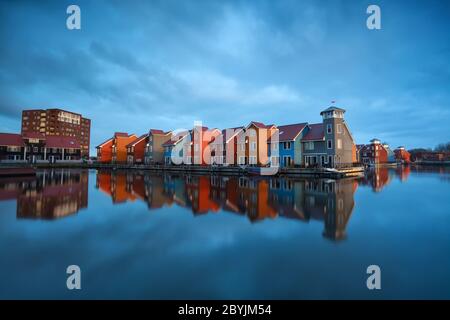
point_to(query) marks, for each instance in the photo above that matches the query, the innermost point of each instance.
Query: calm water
(139, 235)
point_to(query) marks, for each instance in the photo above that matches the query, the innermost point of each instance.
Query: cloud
(216, 87)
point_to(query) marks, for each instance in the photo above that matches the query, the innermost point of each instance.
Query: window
(241, 160)
(13, 149)
(195, 147)
(275, 161)
(287, 145)
(253, 146)
(309, 145)
(242, 146)
(287, 161)
(329, 144)
(35, 149)
(252, 160)
(329, 128)
(274, 146)
(339, 128)
(339, 143)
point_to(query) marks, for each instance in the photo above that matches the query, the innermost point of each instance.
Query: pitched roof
(104, 142)
(261, 125)
(137, 140)
(290, 131)
(315, 132)
(121, 134)
(175, 139)
(11, 139)
(156, 131)
(62, 142)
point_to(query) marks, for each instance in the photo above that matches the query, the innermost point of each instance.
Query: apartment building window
(339, 143)
(241, 160)
(309, 145)
(339, 128)
(329, 144)
(242, 146)
(274, 146)
(329, 128)
(252, 160)
(287, 145)
(253, 146)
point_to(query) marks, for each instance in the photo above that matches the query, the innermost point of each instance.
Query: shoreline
(225, 170)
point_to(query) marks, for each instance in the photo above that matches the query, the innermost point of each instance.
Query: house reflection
(51, 194)
(257, 198)
(380, 177)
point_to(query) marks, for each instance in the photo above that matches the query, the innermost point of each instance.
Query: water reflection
(60, 193)
(330, 201)
(50, 195)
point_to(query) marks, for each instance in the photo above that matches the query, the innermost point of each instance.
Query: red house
(136, 150)
(373, 153)
(402, 156)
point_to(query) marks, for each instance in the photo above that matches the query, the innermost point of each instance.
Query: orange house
(119, 146)
(252, 147)
(136, 150)
(104, 151)
(200, 150)
(114, 149)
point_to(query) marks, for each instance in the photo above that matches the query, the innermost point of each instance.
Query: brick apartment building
(57, 122)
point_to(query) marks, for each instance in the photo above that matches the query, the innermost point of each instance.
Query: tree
(443, 147)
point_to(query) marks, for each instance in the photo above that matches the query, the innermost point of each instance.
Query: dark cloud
(168, 63)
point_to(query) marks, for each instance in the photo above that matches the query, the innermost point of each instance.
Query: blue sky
(136, 65)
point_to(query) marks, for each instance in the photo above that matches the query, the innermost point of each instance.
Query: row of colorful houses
(376, 153)
(326, 144)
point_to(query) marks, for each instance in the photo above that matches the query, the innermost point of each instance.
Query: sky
(136, 65)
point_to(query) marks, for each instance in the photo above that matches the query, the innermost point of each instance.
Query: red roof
(62, 142)
(11, 139)
(290, 131)
(261, 125)
(315, 132)
(121, 134)
(156, 131)
(33, 135)
(137, 140)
